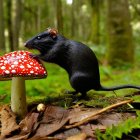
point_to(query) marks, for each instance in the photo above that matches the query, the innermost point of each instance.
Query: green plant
(116, 132)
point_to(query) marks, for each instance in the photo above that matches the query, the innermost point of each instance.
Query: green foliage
(115, 132)
(54, 85)
(57, 83)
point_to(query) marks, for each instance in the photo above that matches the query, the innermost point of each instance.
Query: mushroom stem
(18, 97)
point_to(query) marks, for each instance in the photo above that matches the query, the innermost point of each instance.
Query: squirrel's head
(43, 40)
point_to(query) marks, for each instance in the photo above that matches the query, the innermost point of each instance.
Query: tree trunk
(76, 19)
(73, 19)
(2, 37)
(16, 22)
(95, 20)
(9, 24)
(59, 16)
(119, 33)
(38, 18)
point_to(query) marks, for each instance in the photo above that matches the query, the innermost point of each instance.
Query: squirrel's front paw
(33, 55)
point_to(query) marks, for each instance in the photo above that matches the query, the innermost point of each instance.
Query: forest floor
(94, 116)
(57, 83)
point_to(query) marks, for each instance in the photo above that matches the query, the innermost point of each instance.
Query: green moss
(52, 89)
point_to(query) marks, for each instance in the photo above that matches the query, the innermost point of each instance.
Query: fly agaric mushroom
(19, 66)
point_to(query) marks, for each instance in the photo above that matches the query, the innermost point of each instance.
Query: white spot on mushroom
(5, 61)
(3, 67)
(36, 68)
(31, 71)
(13, 71)
(18, 57)
(22, 67)
(7, 71)
(13, 54)
(12, 66)
(29, 66)
(22, 56)
(21, 63)
(16, 62)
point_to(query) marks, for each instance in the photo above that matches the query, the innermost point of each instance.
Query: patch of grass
(54, 84)
(57, 83)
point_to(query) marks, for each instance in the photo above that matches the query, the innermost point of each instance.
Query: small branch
(97, 113)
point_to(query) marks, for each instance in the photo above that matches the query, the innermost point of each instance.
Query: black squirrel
(76, 58)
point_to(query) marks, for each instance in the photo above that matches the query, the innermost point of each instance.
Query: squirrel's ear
(53, 32)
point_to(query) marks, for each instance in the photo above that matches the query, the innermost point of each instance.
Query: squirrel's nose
(27, 44)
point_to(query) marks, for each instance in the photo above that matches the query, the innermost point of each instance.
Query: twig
(97, 113)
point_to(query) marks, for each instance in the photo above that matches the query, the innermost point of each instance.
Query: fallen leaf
(114, 118)
(81, 136)
(67, 133)
(26, 125)
(53, 119)
(42, 125)
(78, 114)
(17, 137)
(98, 126)
(8, 122)
(91, 117)
(43, 138)
(87, 129)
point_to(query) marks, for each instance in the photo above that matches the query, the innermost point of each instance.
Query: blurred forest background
(110, 27)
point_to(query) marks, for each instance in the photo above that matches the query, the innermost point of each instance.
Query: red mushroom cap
(20, 64)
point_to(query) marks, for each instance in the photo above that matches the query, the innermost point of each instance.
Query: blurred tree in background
(16, 21)
(119, 33)
(106, 24)
(8, 7)
(2, 38)
(95, 21)
(59, 15)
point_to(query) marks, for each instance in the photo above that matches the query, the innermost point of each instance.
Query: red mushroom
(19, 66)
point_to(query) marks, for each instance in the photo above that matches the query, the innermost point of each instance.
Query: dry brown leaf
(78, 114)
(114, 118)
(67, 133)
(53, 119)
(17, 137)
(81, 136)
(43, 138)
(98, 126)
(87, 129)
(8, 121)
(90, 118)
(26, 125)
(39, 126)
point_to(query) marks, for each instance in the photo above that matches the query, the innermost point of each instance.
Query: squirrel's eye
(38, 37)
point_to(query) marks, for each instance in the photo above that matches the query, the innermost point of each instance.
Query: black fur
(76, 58)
